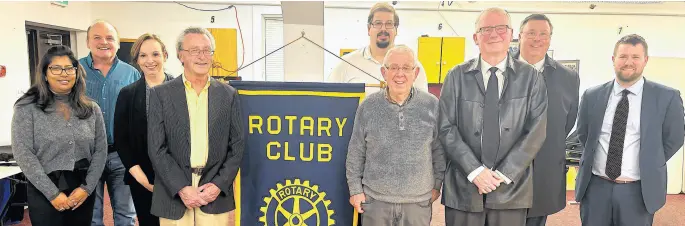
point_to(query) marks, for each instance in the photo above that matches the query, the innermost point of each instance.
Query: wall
(580, 33)
(168, 20)
(577, 35)
(13, 46)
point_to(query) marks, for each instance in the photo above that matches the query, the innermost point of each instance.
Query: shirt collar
(367, 55)
(634, 89)
(387, 96)
(190, 86)
(89, 61)
(540, 66)
(486, 67)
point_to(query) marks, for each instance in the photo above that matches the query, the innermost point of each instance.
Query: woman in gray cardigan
(59, 142)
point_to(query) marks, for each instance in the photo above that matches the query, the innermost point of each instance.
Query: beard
(383, 44)
(628, 78)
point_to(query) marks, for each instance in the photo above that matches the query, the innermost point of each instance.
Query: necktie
(490, 139)
(618, 135)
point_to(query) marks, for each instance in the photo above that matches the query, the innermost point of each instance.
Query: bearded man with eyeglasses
(492, 121)
(363, 65)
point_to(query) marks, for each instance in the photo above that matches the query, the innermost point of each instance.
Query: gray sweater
(46, 142)
(394, 153)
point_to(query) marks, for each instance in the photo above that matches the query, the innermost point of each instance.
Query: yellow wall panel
(226, 53)
(453, 51)
(429, 56)
(346, 51)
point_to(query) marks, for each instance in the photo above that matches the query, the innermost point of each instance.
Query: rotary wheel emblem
(296, 204)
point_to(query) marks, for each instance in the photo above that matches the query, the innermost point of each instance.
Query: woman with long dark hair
(148, 55)
(59, 142)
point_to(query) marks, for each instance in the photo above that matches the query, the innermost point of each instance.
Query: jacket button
(476, 133)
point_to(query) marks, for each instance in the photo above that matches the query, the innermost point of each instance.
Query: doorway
(39, 40)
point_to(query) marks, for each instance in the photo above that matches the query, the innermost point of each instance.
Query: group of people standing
(166, 148)
(493, 144)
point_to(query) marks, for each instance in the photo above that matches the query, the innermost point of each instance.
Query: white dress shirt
(362, 58)
(630, 164)
(485, 71)
(540, 65)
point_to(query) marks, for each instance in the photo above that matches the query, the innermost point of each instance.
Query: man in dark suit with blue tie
(629, 127)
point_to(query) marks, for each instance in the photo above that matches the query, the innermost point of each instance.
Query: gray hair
(493, 10)
(193, 30)
(399, 49)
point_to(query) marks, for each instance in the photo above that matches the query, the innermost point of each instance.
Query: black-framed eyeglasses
(500, 29)
(388, 25)
(532, 35)
(57, 70)
(196, 52)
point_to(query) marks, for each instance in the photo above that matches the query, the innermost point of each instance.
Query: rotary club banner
(293, 169)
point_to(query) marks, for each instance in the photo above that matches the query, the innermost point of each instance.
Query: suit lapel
(178, 98)
(213, 112)
(601, 105)
(649, 101)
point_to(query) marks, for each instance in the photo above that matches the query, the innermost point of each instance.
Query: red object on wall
(3, 71)
(435, 89)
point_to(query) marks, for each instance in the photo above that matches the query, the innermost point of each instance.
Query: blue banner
(293, 169)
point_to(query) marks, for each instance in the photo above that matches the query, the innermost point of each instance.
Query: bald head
(103, 41)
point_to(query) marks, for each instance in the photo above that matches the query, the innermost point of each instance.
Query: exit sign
(61, 3)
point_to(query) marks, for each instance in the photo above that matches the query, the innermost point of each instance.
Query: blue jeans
(119, 194)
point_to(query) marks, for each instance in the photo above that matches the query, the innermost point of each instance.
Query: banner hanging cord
(321, 47)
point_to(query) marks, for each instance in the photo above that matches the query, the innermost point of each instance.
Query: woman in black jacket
(148, 55)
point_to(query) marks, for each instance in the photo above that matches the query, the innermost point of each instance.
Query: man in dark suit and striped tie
(195, 139)
(629, 127)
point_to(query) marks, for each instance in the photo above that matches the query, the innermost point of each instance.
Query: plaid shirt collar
(387, 96)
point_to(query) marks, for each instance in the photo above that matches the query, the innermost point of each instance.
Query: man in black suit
(195, 138)
(629, 127)
(549, 166)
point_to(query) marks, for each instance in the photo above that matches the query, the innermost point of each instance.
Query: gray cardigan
(46, 142)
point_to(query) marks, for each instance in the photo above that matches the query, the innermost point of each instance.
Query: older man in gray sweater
(395, 164)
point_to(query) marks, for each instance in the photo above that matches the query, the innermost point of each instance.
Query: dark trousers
(142, 199)
(489, 217)
(609, 203)
(536, 221)
(42, 213)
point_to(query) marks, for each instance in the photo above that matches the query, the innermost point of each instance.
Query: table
(7, 171)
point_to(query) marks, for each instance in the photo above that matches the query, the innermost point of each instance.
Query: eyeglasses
(57, 70)
(388, 25)
(532, 35)
(395, 68)
(500, 29)
(196, 52)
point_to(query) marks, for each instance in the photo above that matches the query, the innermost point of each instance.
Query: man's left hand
(209, 192)
(436, 194)
(77, 197)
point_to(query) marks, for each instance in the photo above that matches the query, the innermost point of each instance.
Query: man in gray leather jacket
(492, 118)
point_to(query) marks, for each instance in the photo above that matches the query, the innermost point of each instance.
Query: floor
(670, 215)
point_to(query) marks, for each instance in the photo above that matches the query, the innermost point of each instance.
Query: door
(40, 39)
(429, 54)
(453, 49)
(661, 70)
